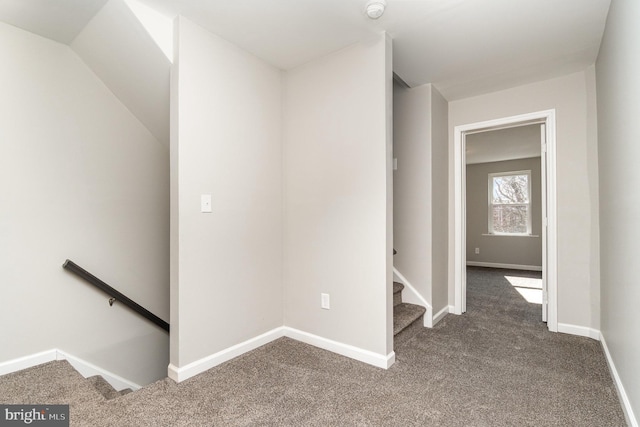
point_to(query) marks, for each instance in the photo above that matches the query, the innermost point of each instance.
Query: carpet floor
(496, 365)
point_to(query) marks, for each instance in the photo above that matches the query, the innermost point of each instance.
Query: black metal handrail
(119, 296)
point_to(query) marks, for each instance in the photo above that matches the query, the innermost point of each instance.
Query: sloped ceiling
(59, 20)
(113, 43)
(463, 47)
(119, 50)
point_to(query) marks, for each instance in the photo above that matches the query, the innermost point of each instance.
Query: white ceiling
(514, 143)
(463, 47)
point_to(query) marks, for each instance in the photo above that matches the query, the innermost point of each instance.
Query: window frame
(490, 203)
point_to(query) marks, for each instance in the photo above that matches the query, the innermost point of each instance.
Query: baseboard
(85, 368)
(440, 315)
(194, 368)
(88, 369)
(366, 356)
(427, 320)
(414, 297)
(582, 331)
(206, 363)
(28, 361)
(506, 266)
(622, 394)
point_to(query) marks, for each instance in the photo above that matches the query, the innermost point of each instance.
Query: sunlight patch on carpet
(530, 288)
(524, 282)
(533, 296)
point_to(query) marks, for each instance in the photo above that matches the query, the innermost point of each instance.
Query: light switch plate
(325, 301)
(205, 203)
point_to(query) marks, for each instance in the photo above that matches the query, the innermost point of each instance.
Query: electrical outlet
(477, 251)
(325, 301)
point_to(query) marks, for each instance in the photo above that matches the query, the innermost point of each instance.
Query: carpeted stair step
(106, 389)
(54, 382)
(397, 293)
(407, 322)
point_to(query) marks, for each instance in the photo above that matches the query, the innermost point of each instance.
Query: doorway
(546, 120)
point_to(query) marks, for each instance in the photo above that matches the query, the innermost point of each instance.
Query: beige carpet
(494, 366)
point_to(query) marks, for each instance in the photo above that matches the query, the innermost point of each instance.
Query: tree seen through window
(509, 203)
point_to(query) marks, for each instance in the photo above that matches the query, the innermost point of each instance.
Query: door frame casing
(549, 251)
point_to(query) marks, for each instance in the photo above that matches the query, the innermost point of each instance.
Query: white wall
(568, 95)
(617, 71)
(497, 249)
(420, 192)
(80, 178)
(594, 191)
(337, 200)
(226, 274)
(440, 202)
(412, 187)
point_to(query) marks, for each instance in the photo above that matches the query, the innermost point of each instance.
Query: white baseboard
(440, 315)
(28, 361)
(501, 265)
(427, 319)
(366, 356)
(88, 369)
(622, 394)
(85, 368)
(412, 296)
(582, 331)
(194, 368)
(199, 366)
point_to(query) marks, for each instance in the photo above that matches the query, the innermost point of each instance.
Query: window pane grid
(509, 203)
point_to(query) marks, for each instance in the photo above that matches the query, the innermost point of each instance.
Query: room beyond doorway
(546, 119)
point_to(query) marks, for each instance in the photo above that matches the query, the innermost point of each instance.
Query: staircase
(105, 389)
(408, 319)
(55, 382)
